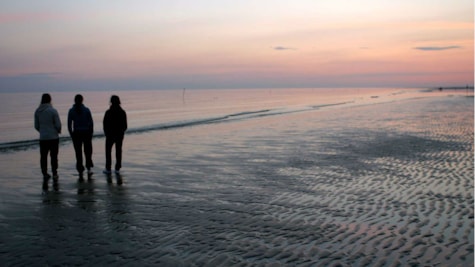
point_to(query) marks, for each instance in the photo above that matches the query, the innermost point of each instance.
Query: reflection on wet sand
(118, 177)
(385, 185)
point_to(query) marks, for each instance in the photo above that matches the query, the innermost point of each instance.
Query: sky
(155, 44)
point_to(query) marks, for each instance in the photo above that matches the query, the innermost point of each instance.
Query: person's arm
(125, 121)
(57, 121)
(37, 122)
(105, 121)
(70, 122)
(91, 122)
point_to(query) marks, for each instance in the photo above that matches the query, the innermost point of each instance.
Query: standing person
(81, 128)
(48, 124)
(115, 125)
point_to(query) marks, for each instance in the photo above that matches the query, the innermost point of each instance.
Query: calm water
(155, 110)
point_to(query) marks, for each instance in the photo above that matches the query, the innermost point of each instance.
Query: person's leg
(77, 142)
(88, 151)
(54, 157)
(118, 152)
(44, 157)
(109, 144)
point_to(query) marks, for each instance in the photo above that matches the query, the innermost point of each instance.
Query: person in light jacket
(48, 124)
(81, 129)
(114, 125)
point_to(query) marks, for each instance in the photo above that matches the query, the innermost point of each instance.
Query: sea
(155, 110)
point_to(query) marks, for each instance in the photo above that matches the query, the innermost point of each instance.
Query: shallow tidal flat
(376, 185)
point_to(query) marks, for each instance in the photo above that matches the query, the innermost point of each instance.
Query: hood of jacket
(47, 122)
(44, 107)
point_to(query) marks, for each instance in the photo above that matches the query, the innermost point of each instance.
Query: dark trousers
(110, 141)
(80, 140)
(49, 147)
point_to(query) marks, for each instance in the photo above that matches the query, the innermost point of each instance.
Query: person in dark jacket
(81, 129)
(115, 125)
(48, 124)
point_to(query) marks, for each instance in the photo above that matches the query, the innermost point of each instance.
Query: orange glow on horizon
(307, 40)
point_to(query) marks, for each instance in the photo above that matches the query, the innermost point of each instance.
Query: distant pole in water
(183, 96)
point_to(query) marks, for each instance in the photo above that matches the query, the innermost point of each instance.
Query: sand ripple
(368, 186)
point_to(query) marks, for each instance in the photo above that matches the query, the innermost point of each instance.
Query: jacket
(80, 121)
(47, 122)
(115, 121)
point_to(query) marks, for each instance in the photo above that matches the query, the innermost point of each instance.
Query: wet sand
(377, 185)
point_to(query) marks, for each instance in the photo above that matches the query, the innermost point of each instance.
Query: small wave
(28, 144)
(249, 113)
(196, 122)
(18, 145)
(331, 105)
(25, 144)
(32, 143)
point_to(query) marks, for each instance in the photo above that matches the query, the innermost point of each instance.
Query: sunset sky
(71, 45)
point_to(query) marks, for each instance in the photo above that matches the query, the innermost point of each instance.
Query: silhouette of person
(81, 129)
(48, 124)
(114, 125)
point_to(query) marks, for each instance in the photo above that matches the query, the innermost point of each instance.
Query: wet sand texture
(379, 185)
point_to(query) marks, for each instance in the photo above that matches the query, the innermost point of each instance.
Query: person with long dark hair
(115, 125)
(48, 124)
(81, 129)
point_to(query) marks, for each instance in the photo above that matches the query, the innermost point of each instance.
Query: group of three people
(81, 129)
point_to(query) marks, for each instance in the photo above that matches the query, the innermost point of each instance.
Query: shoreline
(382, 184)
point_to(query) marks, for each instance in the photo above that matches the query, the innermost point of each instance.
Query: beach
(379, 184)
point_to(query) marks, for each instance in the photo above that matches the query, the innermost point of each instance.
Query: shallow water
(160, 109)
(383, 184)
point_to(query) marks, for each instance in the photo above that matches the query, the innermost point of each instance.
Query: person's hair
(77, 102)
(115, 100)
(45, 99)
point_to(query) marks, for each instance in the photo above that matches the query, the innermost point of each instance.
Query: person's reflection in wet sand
(55, 186)
(49, 231)
(118, 178)
(86, 193)
(118, 210)
(52, 197)
(89, 176)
